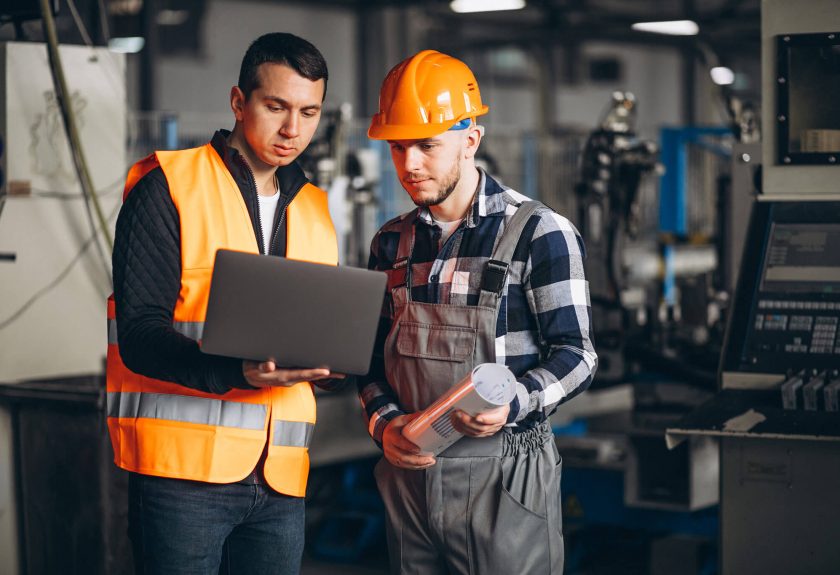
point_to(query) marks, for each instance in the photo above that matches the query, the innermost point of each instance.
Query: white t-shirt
(268, 205)
(447, 228)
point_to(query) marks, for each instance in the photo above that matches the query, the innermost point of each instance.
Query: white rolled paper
(487, 386)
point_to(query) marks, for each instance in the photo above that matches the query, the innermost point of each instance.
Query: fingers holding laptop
(267, 374)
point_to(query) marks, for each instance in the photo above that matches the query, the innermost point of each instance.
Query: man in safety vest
(477, 274)
(217, 447)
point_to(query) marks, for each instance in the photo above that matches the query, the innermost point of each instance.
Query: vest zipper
(283, 206)
(258, 222)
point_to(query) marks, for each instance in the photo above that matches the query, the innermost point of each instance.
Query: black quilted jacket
(147, 277)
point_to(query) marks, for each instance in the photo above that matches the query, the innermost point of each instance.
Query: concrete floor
(315, 567)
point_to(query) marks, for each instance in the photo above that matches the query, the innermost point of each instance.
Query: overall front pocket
(441, 342)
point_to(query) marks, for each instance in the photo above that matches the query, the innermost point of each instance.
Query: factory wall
(197, 87)
(200, 86)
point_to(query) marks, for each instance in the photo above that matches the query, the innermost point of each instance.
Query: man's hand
(483, 424)
(267, 374)
(399, 451)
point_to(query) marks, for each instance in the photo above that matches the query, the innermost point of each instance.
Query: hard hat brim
(415, 132)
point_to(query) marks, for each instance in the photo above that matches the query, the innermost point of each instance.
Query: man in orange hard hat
(477, 273)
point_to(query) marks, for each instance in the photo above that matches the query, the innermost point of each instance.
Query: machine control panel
(812, 391)
(798, 333)
(787, 312)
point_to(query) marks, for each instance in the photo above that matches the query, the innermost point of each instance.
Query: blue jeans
(188, 527)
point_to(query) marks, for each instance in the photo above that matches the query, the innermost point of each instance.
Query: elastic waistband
(503, 444)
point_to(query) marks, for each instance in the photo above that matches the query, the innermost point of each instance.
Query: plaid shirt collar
(489, 200)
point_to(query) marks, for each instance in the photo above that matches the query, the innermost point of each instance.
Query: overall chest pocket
(442, 342)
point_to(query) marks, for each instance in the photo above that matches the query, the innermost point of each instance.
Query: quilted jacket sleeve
(147, 280)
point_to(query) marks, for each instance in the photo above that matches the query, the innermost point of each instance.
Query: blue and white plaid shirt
(544, 322)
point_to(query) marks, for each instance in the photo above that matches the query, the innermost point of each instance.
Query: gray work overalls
(489, 505)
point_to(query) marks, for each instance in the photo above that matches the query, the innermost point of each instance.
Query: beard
(447, 186)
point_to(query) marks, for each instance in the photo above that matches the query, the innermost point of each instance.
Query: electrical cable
(86, 37)
(103, 20)
(112, 188)
(73, 135)
(79, 24)
(65, 196)
(44, 290)
(114, 80)
(58, 279)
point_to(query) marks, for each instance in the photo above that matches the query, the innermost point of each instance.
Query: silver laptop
(299, 314)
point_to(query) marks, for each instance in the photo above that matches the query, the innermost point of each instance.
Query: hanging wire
(103, 20)
(73, 136)
(92, 239)
(109, 190)
(115, 79)
(79, 24)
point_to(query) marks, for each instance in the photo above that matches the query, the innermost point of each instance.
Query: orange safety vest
(165, 429)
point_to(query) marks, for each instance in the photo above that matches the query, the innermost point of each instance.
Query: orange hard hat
(424, 96)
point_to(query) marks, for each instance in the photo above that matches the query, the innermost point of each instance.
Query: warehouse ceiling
(725, 25)
(729, 30)
(728, 27)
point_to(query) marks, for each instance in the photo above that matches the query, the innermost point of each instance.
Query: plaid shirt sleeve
(558, 299)
(379, 401)
(544, 327)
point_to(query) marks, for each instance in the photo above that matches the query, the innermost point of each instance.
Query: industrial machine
(662, 271)
(776, 409)
(613, 163)
(656, 262)
(651, 263)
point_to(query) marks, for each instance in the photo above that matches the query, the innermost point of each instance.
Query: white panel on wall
(63, 332)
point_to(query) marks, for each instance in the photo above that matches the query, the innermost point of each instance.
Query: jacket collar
(291, 177)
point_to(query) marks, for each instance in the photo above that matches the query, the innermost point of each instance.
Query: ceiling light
(172, 17)
(464, 6)
(722, 76)
(672, 27)
(129, 45)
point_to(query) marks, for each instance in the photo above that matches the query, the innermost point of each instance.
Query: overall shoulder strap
(496, 269)
(399, 271)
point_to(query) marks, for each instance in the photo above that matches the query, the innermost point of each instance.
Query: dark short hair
(281, 48)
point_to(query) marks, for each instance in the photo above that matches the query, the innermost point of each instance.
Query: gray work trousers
(488, 506)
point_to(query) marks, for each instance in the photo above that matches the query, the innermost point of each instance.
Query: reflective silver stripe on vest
(191, 329)
(188, 409)
(292, 433)
(112, 332)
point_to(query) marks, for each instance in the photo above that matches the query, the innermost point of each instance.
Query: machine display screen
(787, 309)
(802, 258)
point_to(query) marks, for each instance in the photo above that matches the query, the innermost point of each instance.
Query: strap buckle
(494, 277)
(399, 274)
